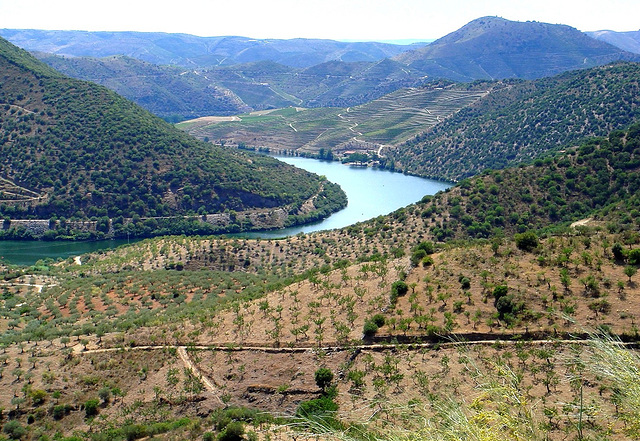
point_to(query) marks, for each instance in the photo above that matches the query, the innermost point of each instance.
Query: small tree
(323, 377)
(105, 394)
(630, 271)
(14, 429)
(91, 407)
(398, 289)
(233, 432)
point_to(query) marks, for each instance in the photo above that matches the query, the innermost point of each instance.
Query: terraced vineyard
(407, 112)
(10, 191)
(389, 120)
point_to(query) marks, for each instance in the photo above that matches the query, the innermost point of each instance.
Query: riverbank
(329, 199)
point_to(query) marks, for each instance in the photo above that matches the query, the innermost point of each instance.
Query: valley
(505, 306)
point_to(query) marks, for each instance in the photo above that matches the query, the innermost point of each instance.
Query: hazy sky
(334, 19)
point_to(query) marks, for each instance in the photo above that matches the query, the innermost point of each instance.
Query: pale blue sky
(333, 19)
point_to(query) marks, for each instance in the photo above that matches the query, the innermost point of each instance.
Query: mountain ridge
(193, 51)
(496, 48)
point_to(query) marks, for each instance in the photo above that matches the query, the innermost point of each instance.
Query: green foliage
(499, 292)
(633, 256)
(421, 251)
(597, 179)
(370, 328)
(618, 251)
(14, 429)
(234, 431)
(318, 407)
(520, 120)
(398, 289)
(527, 241)
(91, 407)
(59, 411)
(323, 378)
(148, 168)
(379, 320)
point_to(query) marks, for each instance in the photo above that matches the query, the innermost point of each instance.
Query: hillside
(163, 90)
(627, 41)
(193, 51)
(492, 48)
(75, 149)
(521, 120)
(192, 340)
(227, 73)
(388, 120)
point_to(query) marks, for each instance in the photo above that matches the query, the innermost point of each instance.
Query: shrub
(618, 252)
(634, 256)
(370, 328)
(417, 256)
(233, 432)
(317, 407)
(91, 407)
(104, 394)
(59, 411)
(500, 291)
(379, 320)
(398, 288)
(323, 378)
(14, 429)
(427, 261)
(526, 241)
(427, 246)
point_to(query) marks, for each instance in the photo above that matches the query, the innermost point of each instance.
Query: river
(371, 192)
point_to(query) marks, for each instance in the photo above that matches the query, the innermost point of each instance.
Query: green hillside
(165, 91)
(599, 179)
(521, 120)
(75, 149)
(389, 120)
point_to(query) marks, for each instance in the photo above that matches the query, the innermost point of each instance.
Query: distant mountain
(71, 148)
(166, 91)
(628, 41)
(227, 75)
(495, 48)
(194, 51)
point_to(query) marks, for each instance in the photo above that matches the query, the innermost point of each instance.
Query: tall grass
(612, 361)
(499, 408)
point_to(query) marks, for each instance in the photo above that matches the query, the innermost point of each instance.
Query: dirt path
(35, 285)
(581, 222)
(182, 352)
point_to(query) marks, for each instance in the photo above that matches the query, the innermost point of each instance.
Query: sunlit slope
(391, 119)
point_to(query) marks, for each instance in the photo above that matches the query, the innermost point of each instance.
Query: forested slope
(73, 148)
(521, 120)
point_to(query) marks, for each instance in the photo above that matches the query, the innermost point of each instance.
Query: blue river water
(371, 192)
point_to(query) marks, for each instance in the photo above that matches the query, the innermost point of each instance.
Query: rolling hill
(226, 73)
(207, 346)
(166, 91)
(464, 316)
(75, 149)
